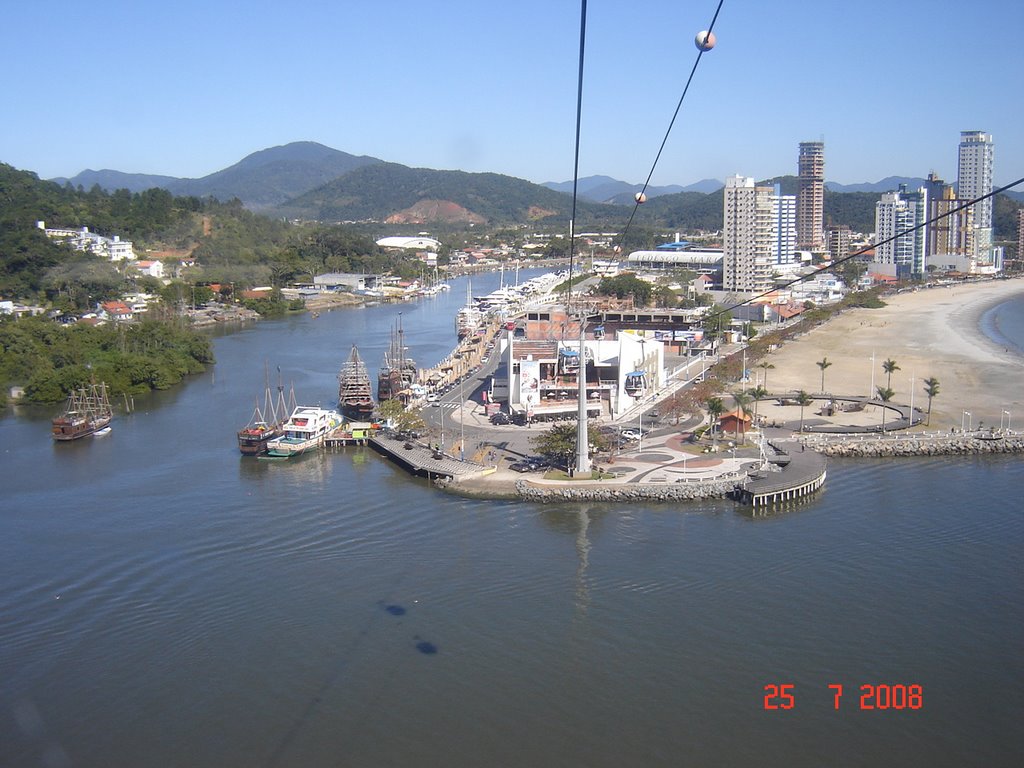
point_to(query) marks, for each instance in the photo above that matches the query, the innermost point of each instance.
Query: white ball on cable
(704, 40)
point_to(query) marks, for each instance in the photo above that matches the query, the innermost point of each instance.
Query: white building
(974, 179)
(420, 243)
(82, 239)
(151, 268)
(899, 212)
(759, 235)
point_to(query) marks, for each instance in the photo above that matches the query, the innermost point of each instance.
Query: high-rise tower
(974, 179)
(758, 235)
(810, 201)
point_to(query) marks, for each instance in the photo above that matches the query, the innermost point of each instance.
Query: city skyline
(190, 90)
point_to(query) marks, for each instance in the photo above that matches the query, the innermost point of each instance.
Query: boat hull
(253, 442)
(64, 430)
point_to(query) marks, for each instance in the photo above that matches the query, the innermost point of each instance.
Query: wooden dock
(422, 460)
(803, 473)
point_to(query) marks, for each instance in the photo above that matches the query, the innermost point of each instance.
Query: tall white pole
(911, 398)
(871, 392)
(582, 438)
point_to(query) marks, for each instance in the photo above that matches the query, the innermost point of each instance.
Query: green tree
(931, 388)
(742, 400)
(765, 366)
(823, 364)
(889, 366)
(715, 408)
(756, 394)
(885, 395)
(803, 400)
(402, 418)
(558, 444)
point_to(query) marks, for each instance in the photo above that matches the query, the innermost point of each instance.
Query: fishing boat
(355, 393)
(398, 372)
(266, 422)
(86, 413)
(307, 428)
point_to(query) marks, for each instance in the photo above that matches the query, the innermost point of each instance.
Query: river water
(166, 602)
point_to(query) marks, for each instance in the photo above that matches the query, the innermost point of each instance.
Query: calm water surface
(168, 603)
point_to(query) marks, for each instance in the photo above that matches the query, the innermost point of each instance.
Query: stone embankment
(553, 494)
(907, 445)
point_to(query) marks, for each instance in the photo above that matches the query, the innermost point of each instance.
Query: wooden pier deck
(803, 473)
(423, 460)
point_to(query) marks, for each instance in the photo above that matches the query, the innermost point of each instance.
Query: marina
(331, 572)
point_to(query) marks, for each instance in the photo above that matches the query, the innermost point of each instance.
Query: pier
(803, 473)
(422, 460)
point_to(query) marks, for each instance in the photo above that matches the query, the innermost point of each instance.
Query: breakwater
(956, 444)
(595, 491)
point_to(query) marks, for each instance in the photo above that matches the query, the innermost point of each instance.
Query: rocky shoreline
(548, 494)
(953, 445)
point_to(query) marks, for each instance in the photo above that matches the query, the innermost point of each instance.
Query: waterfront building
(811, 196)
(974, 179)
(898, 212)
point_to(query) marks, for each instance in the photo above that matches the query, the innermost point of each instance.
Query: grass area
(565, 477)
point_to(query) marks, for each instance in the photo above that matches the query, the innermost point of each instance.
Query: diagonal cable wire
(831, 266)
(576, 161)
(693, 70)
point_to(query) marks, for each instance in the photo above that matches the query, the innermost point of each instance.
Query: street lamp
(963, 419)
(643, 367)
(442, 425)
(1007, 420)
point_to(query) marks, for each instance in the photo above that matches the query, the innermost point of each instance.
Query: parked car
(633, 434)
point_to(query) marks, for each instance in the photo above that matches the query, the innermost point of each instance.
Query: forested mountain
(389, 191)
(260, 180)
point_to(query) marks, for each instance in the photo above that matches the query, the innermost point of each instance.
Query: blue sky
(188, 88)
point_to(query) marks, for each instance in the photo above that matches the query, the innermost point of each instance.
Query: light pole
(442, 426)
(911, 398)
(963, 419)
(871, 392)
(1007, 420)
(643, 367)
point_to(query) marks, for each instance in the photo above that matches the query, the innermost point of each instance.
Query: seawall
(951, 445)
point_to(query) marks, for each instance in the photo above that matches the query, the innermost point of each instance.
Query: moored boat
(86, 413)
(398, 371)
(266, 422)
(307, 428)
(355, 393)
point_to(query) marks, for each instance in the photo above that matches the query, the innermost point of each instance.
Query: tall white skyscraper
(974, 179)
(759, 235)
(898, 212)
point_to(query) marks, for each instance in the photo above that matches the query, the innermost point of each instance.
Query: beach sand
(928, 333)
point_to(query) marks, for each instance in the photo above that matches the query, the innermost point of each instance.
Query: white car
(633, 434)
(432, 397)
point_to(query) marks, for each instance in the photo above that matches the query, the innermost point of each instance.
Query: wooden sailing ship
(87, 412)
(267, 421)
(355, 393)
(398, 371)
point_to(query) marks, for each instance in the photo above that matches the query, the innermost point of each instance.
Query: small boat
(87, 412)
(307, 428)
(355, 393)
(266, 422)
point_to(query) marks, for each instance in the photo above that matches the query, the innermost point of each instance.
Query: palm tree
(715, 408)
(823, 364)
(742, 400)
(889, 366)
(756, 393)
(931, 388)
(803, 399)
(885, 395)
(765, 366)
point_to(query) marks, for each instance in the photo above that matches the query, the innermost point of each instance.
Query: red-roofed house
(116, 311)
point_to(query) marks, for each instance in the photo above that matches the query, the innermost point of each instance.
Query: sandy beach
(928, 333)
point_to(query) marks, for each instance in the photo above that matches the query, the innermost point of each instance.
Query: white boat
(306, 428)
